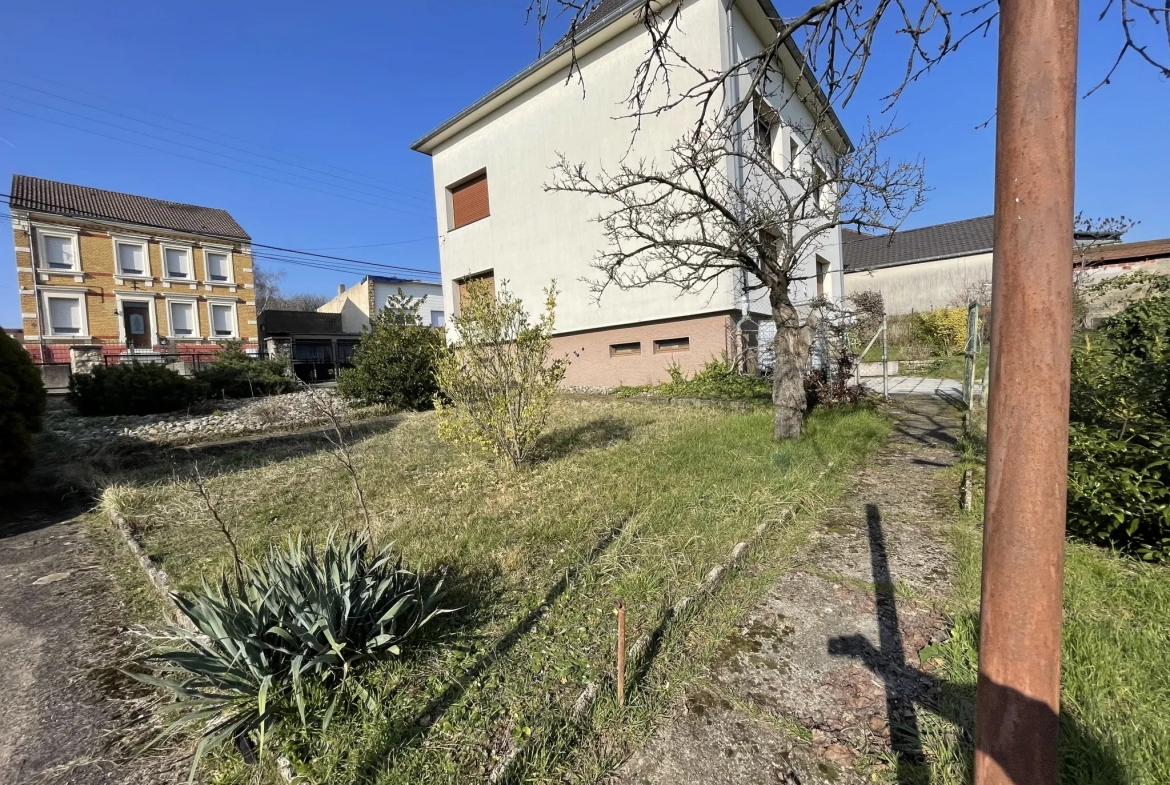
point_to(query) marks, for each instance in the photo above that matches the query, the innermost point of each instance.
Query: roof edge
(422, 144)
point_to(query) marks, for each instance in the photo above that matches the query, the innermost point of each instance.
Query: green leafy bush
(234, 374)
(22, 405)
(499, 380)
(297, 620)
(945, 329)
(395, 362)
(717, 379)
(130, 388)
(1119, 441)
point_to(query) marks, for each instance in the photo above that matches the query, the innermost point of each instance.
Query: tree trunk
(790, 357)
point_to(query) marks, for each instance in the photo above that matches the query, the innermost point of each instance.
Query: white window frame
(62, 292)
(194, 303)
(231, 271)
(163, 247)
(235, 336)
(57, 231)
(144, 244)
(126, 297)
(442, 316)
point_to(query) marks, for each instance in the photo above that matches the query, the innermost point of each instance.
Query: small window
(438, 319)
(219, 266)
(672, 345)
(184, 323)
(793, 154)
(764, 122)
(64, 315)
(59, 252)
(625, 349)
(177, 263)
(469, 201)
(818, 185)
(131, 258)
(223, 320)
(822, 274)
(489, 277)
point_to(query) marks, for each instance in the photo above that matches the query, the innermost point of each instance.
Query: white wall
(531, 236)
(923, 286)
(431, 295)
(354, 306)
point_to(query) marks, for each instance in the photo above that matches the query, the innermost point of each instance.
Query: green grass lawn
(627, 501)
(1115, 727)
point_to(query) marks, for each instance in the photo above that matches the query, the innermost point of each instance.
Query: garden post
(1018, 694)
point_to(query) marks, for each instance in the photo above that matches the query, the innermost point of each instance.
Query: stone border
(641, 648)
(156, 575)
(662, 400)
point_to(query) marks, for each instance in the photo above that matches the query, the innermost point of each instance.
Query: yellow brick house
(117, 273)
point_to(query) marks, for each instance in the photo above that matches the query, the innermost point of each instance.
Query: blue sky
(345, 88)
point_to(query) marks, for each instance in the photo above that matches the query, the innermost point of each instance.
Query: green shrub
(130, 388)
(1119, 442)
(22, 405)
(233, 374)
(299, 620)
(717, 379)
(945, 329)
(499, 380)
(395, 362)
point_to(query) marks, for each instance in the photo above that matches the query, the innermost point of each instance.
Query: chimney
(340, 289)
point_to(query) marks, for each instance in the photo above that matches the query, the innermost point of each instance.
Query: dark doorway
(136, 318)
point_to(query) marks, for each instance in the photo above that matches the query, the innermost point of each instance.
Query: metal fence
(193, 361)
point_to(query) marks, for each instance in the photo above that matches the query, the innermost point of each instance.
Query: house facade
(492, 161)
(949, 264)
(106, 273)
(362, 302)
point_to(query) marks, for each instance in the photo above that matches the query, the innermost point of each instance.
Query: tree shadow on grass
(479, 594)
(598, 433)
(1085, 758)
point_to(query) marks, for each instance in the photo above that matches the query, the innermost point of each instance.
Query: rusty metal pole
(620, 605)
(1018, 699)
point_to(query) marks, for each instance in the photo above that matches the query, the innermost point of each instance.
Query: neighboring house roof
(1121, 253)
(79, 201)
(942, 241)
(605, 13)
(391, 279)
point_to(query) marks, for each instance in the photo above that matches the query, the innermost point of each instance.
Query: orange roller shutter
(469, 201)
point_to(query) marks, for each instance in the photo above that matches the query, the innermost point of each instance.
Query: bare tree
(726, 202)
(270, 297)
(834, 40)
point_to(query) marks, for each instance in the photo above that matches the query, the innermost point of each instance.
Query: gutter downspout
(738, 175)
(32, 256)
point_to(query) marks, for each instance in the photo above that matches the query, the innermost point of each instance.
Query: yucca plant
(298, 617)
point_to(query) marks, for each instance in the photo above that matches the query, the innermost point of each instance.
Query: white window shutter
(176, 262)
(130, 259)
(59, 251)
(65, 315)
(221, 316)
(182, 322)
(217, 266)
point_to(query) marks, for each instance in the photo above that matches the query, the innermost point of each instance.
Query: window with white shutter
(183, 320)
(58, 252)
(218, 266)
(64, 315)
(131, 258)
(223, 320)
(177, 262)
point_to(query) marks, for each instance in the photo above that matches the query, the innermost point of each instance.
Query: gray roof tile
(958, 238)
(49, 196)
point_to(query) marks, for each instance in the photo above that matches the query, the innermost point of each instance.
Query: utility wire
(193, 125)
(213, 163)
(52, 108)
(48, 207)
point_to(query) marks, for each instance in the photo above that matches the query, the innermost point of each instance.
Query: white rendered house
(492, 161)
(362, 302)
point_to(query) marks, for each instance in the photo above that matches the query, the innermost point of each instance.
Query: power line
(312, 256)
(191, 125)
(213, 163)
(209, 152)
(372, 245)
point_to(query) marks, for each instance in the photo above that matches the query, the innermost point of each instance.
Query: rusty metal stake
(621, 652)
(1018, 697)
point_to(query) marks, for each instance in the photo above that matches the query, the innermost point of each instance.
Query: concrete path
(822, 684)
(64, 707)
(900, 386)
